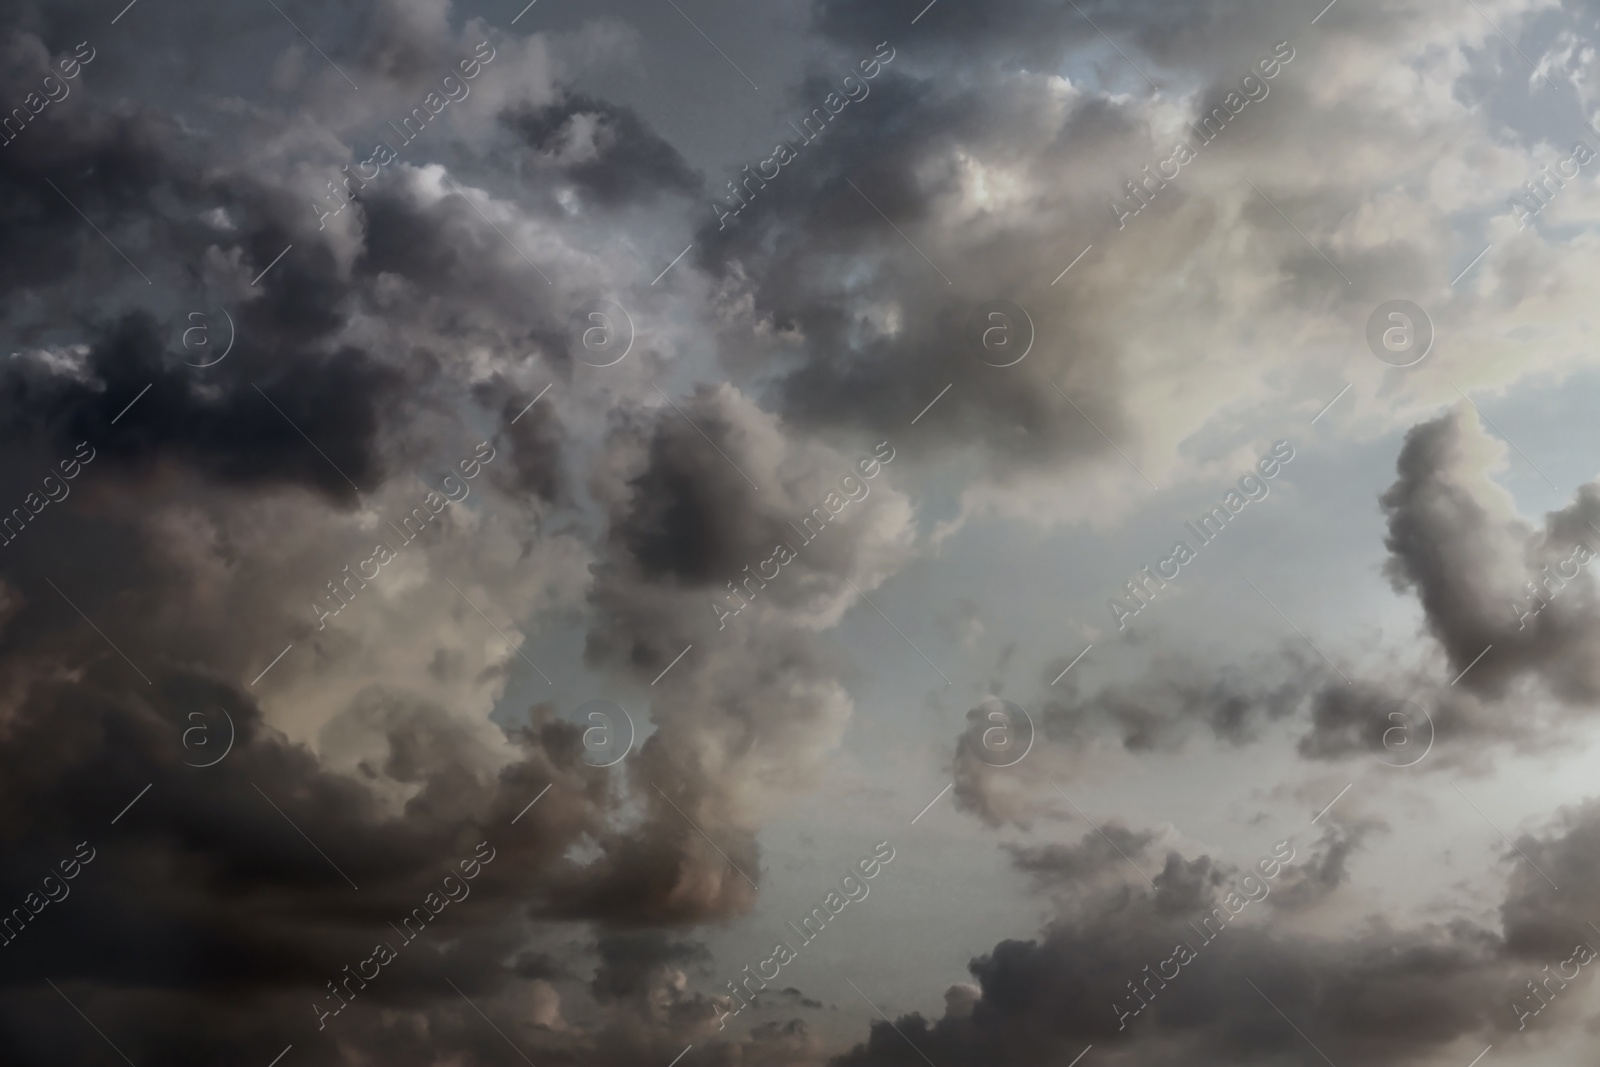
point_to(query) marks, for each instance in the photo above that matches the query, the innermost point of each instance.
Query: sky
(671, 533)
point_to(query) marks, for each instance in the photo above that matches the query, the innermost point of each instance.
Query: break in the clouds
(406, 403)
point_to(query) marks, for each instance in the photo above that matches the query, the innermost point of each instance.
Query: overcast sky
(810, 534)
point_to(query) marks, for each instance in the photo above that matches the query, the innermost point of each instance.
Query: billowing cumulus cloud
(1183, 970)
(325, 513)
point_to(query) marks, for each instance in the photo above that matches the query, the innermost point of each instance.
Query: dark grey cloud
(896, 147)
(604, 149)
(535, 435)
(1169, 704)
(204, 860)
(232, 434)
(207, 894)
(688, 540)
(1381, 994)
(421, 317)
(207, 925)
(1485, 579)
(1175, 704)
(626, 960)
